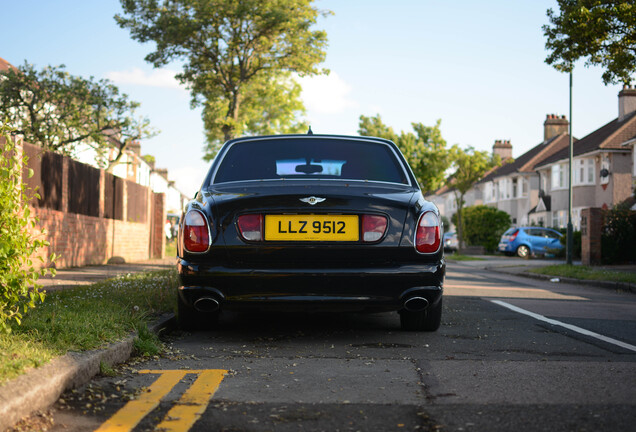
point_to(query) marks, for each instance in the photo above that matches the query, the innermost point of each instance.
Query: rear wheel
(426, 320)
(523, 251)
(188, 318)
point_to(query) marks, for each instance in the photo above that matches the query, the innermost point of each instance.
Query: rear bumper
(354, 289)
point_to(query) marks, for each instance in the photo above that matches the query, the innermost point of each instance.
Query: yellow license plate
(311, 227)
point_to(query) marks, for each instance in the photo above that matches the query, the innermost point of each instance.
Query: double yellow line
(182, 415)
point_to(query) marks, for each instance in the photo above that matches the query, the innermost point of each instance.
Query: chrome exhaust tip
(206, 304)
(416, 304)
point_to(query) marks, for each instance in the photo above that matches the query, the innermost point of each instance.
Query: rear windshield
(310, 159)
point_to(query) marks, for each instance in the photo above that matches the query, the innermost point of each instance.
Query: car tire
(523, 251)
(188, 318)
(426, 320)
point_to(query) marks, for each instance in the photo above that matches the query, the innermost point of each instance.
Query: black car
(311, 222)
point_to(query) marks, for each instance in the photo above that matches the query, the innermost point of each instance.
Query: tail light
(196, 232)
(373, 227)
(427, 237)
(251, 227)
(513, 236)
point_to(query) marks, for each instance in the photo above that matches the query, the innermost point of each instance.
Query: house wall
(621, 168)
(583, 196)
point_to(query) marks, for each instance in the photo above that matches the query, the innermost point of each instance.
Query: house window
(515, 186)
(559, 219)
(524, 187)
(584, 172)
(489, 192)
(560, 176)
(544, 182)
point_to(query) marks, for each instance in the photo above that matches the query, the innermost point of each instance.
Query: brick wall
(591, 229)
(81, 239)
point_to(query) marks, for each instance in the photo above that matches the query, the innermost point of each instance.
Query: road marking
(505, 291)
(183, 415)
(193, 403)
(565, 325)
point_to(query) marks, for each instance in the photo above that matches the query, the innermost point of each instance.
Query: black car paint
(352, 276)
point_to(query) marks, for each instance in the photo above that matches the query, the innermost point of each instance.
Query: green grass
(459, 257)
(587, 273)
(171, 248)
(88, 317)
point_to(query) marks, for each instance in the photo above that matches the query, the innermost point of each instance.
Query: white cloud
(157, 78)
(326, 94)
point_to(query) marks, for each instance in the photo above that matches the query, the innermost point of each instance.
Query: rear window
(310, 159)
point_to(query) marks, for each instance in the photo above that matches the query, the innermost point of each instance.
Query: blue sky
(477, 66)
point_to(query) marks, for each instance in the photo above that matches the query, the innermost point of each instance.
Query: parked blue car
(528, 241)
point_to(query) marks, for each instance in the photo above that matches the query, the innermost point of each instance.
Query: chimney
(503, 148)
(626, 102)
(554, 125)
(135, 147)
(163, 172)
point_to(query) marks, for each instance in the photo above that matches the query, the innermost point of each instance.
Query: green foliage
(446, 223)
(58, 111)
(269, 106)
(146, 343)
(576, 244)
(149, 159)
(603, 32)
(619, 235)
(19, 290)
(484, 225)
(238, 56)
(425, 150)
(470, 166)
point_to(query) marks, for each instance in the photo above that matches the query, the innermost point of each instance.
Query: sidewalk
(90, 274)
(40, 388)
(520, 267)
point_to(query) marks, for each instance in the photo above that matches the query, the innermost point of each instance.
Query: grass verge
(586, 273)
(88, 317)
(459, 257)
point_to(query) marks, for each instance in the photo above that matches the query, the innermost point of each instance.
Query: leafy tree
(484, 225)
(17, 241)
(59, 111)
(425, 150)
(236, 53)
(604, 32)
(268, 107)
(470, 166)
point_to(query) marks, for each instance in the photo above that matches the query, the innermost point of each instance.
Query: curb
(620, 286)
(40, 388)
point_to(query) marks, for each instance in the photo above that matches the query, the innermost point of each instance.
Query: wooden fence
(91, 216)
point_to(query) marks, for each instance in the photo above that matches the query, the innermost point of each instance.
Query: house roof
(544, 205)
(5, 65)
(527, 162)
(608, 137)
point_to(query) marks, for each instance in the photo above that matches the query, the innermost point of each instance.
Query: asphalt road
(512, 354)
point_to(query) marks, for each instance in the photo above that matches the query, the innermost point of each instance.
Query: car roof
(311, 136)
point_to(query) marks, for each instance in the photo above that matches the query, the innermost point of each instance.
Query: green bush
(18, 276)
(619, 235)
(483, 226)
(576, 244)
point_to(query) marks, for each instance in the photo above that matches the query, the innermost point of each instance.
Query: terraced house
(603, 169)
(533, 188)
